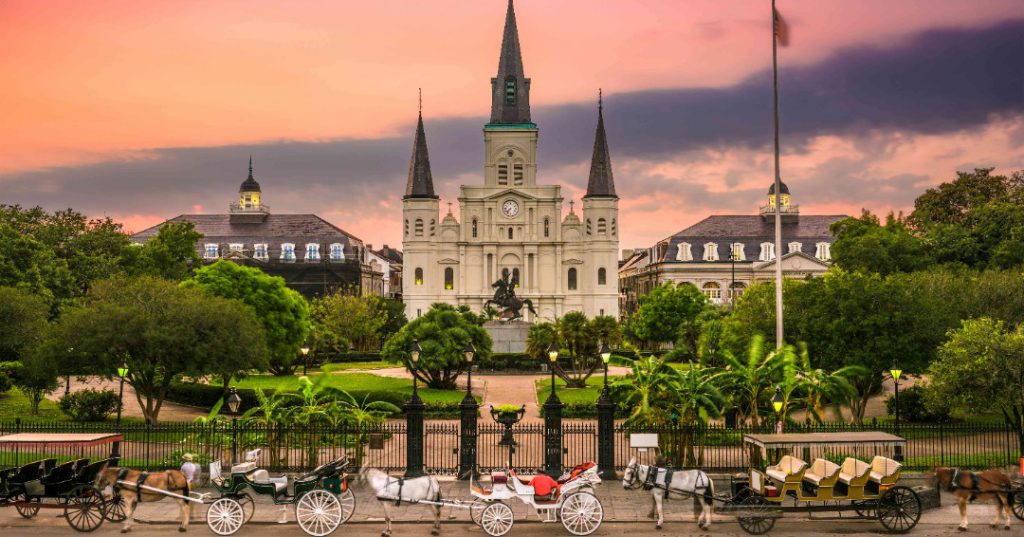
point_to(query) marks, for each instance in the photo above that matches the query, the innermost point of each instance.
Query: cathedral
(509, 225)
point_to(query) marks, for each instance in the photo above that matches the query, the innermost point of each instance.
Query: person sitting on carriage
(544, 487)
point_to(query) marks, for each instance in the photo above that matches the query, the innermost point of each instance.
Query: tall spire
(421, 182)
(601, 183)
(250, 184)
(510, 89)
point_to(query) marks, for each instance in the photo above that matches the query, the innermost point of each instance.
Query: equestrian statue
(505, 298)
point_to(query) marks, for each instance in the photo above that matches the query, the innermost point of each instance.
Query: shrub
(354, 357)
(913, 407)
(89, 404)
(7, 370)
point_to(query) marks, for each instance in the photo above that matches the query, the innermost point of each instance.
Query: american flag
(781, 29)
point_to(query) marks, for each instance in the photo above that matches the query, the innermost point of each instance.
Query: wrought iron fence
(295, 448)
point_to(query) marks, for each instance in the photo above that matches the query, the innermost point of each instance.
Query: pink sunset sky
(143, 110)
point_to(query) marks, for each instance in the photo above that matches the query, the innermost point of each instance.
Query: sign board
(376, 441)
(643, 441)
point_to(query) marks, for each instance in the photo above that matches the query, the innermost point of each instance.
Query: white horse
(693, 483)
(411, 490)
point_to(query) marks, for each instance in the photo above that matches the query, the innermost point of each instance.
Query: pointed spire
(601, 183)
(510, 99)
(250, 184)
(421, 182)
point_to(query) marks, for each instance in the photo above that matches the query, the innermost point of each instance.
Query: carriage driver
(544, 487)
(190, 470)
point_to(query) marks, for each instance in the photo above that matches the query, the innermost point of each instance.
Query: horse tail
(709, 491)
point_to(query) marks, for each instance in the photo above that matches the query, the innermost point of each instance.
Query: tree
(749, 380)
(35, 375)
(699, 400)
(980, 369)
(170, 255)
(161, 329)
(665, 311)
(953, 202)
(283, 312)
(607, 330)
(349, 320)
(442, 333)
(649, 390)
(862, 244)
(24, 318)
(27, 263)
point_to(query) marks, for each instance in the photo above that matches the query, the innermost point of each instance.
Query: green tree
(577, 338)
(749, 382)
(283, 312)
(699, 400)
(607, 330)
(649, 390)
(27, 263)
(354, 320)
(953, 202)
(666, 311)
(980, 369)
(170, 255)
(442, 333)
(35, 376)
(24, 319)
(862, 244)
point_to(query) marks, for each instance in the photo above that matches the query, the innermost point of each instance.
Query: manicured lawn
(14, 404)
(573, 395)
(361, 382)
(346, 366)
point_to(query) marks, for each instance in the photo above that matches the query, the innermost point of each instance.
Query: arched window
(602, 276)
(432, 223)
(547, 227)
(510, 90)
(474, 228)
(418, 275)
(588, 226)
(503, 172)
(767, 251)
(517, 174)
(712, 290)
(449, 278)
(406, 227)
(736, 251)
(418, 227)
(615, 229)
(515, 277)
(510, 232)
(572, 279)
(736, 289)
(602, 226)
(795, 247)
(710, 251)
(684, 252)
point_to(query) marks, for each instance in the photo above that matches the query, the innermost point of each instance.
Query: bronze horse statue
(505, 298)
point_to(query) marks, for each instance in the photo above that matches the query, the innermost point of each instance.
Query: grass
(14, 404)
(346, 366)
(355, 382)
(573, 395)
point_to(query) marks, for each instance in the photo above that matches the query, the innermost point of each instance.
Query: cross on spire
(572, 204)
(421, 100)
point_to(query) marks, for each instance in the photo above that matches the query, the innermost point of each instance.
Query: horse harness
(143, 476)
(659, 477)
(974, 489)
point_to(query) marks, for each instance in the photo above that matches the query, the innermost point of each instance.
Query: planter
(507, 417)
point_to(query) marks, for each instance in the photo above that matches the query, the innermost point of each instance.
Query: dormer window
(288, 252)
(510, 90)
(736, 251)
(312, 252)
(211, 251)
(767, 251)
(795, 247)
(235, 247)
(337, 252)
(710, 251)
(823, 251)
(684, 252)
(259, 251)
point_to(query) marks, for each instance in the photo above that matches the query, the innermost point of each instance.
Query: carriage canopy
(802, 440)
(79, 440)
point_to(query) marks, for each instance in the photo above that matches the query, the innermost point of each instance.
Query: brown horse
(125, 483)
(968, 486)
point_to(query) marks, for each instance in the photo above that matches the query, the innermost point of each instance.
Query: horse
(410, 490)
(505, 298)
(968, 486)
(663, 481)
(126, 482)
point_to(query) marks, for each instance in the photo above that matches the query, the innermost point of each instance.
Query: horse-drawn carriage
(834, 481)
(69, 486)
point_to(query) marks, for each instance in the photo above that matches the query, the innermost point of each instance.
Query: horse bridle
(634, 482)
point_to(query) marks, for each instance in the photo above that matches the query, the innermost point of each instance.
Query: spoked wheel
(248, 507)
(476, 511)
(26, 511)
(348, 504)
(754, 515)
(1017, 503)
(497, 519)
(899, 509)
(85, 509)
(581, 513)
(225, 516)
(318, 512)
(866, 508)
(116, 511)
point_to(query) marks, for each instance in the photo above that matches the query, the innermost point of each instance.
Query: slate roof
(751, 231)
(510, 64)
(391, 254)
(782, 187)
(421, 181)
(601, 183)
(275, 230)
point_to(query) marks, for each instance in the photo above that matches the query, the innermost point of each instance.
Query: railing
(249, 208)
(296, 447)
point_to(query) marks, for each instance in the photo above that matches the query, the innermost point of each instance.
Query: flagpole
(778, 186)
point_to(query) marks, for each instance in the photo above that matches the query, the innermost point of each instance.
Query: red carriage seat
(576, 471)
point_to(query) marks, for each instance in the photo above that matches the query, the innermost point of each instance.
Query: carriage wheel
(866, 508)
(1017, 503)
(318, 512)
(115, 509)
(26, 511)
(84, 508)
(476, 511)
(581, 513)
(248, 507)
(348, 504)
(497, 519)
(899, 509)
(754, 516)
(225, 516)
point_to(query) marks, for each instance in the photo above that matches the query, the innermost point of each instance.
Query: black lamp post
(553, 422)
(896, 372)
(606, 423)
(732, 285)
(777, 404)
(122, 372)
(414, 419)
(234, 402)
(468, 413)
(305, 357)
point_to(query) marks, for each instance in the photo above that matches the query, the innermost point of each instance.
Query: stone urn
(507, 415)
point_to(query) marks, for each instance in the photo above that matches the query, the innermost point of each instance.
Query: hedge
(587, 410)
(355, 357)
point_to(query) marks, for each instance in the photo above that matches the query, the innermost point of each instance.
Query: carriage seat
(853, 470)
(789, 469)
(499, 478)
(33, 471)
(262, 477)
(884, 470)
(62, 477)
(576, 472)
(243, 467)
(822, 473)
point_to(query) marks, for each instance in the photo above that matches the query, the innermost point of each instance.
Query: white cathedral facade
(509, 224)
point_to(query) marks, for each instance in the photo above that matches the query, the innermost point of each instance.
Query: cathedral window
(406, 227)
(288, 251)
(211, 251)
(449, 278)
(588, 226)
(712, 290)
(418, 227)
(547, 227)
(615, 229)
(474, 228)
(737, 252)
(710, 252)
(418, 275)
(572, 279)
(795, 247)
(432, 224)
(510, 90)
(823, 251)
(517, 174)
(503, 173)
(312, 252)
(510, 232)
(505, 273)
(602, 276)
(602, 226)
(684, 252)
(337, 252)
(259, 251)
(515, 278)
(767, 251)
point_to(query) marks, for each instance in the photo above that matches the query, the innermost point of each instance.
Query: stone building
(510, 223)
(722, 255)
(311, 254)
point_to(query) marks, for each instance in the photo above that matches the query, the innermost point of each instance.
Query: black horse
(506, 299)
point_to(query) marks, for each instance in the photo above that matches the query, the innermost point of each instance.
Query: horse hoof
(435, 532)
(961, 528)
(182, 530)
(125, 530)
(657, 526)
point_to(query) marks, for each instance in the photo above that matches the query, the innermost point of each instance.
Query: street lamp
(896, 372)
(469, 351)
(414, 355)
(122, 372)
(234, 401)
(305, 357)
(606, 356)
(732, 285)
(777, 403)
(553, 358)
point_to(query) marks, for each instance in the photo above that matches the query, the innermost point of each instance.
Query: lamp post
(732, 284)
(777, 404)
(234, 402)
(414, 419)
(553, 421)
(468, 413)
(896, 372)
(122, 372)
(67, 379)
(605, 423)
(305, 357)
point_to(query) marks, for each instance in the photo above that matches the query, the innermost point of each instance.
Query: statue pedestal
(507, 336)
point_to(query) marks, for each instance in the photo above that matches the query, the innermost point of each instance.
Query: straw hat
(187, 457)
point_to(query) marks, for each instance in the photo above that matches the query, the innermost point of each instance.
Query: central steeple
(510, 89)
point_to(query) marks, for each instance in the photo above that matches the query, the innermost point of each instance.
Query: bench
(789, 470)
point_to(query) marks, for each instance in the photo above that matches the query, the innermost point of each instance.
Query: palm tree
(699, 400)
(649, 390)
(823, 387)
(268, 415)
(749, 381)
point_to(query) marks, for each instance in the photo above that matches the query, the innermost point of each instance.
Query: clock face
(510, 208)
